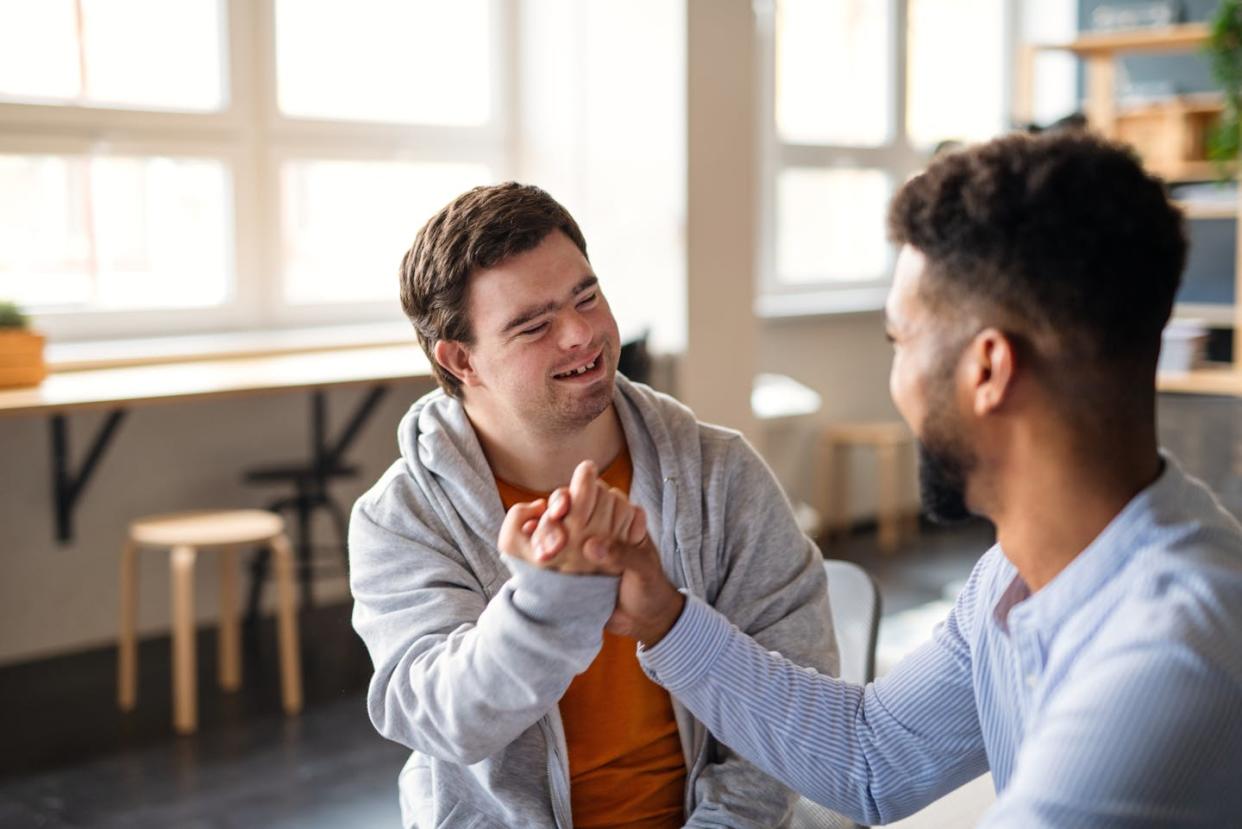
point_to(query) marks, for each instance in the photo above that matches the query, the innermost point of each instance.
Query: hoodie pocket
(422, 807)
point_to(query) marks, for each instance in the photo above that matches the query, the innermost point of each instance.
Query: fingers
(513, 541)
(548, 538)
(558, 503)
(608, 554)
(607, 500)
(582, 489)
(637, 529)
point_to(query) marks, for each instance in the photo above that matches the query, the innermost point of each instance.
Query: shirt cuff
(550, 596)
(690, 649)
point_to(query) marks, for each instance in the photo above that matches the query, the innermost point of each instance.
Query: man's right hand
(552, 534)
(648, 605)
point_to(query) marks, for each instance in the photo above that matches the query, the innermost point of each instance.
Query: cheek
(903, 387)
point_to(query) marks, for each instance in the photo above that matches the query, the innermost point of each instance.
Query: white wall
(163, 458)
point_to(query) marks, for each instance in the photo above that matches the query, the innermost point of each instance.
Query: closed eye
(589, 300)
(534, 329)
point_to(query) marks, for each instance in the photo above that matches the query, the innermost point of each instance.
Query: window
(859, 93)
(171, 165)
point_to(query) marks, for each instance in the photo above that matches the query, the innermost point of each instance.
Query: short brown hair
(479, 229)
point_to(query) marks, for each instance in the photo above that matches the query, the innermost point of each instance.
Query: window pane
(955, 91)
(833, 72)
(38, 49)
(348, 223)
(80, 233)
(418, 61)
(830, 225)
(161, 54)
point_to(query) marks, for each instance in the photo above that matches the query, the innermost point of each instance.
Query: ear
(454, 357)
(991, 366)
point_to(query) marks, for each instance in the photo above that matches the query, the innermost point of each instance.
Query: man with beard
(1093, 661)
(519, 709)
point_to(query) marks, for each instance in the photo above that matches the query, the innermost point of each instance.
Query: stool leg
(127, 646)
(184, 679)
(228, 656)
(840, 489)
(823, 479)
(911, 530)
(287, 627)
(889, 503)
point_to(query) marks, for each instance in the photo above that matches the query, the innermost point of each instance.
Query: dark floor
(70, 759)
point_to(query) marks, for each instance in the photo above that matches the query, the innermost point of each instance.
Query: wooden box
(21, 358)
(1170, 136)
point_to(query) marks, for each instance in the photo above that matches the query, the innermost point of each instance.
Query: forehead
(546, 273)
(905, 303)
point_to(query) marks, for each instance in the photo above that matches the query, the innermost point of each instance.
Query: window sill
(78, 356)
(818, 303)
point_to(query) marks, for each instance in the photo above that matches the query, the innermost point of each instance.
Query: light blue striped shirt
(1110, 698)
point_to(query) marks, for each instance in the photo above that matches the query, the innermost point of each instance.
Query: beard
(945, 462)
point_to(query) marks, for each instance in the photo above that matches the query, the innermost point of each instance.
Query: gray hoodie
(473, 650)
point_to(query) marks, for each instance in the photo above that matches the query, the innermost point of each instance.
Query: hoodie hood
(438, 441)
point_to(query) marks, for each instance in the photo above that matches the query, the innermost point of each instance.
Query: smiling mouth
(586, 368)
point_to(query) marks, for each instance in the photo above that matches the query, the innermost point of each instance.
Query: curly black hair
(1063, 232)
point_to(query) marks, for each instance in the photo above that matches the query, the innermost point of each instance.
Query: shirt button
(1031, 679)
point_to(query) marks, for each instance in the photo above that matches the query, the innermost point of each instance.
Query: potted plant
(1224, 49)
(21, 349)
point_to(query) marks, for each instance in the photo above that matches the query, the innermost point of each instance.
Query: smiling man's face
(922, 383)
(545, 344)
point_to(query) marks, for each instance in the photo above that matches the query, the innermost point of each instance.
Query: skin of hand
(551, 533)
(648, 605)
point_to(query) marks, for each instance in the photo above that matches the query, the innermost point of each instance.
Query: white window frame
(252, 138)
(897, 158)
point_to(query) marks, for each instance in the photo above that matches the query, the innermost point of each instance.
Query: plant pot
(21, 358)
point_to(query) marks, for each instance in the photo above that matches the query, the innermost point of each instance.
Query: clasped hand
(592, 528)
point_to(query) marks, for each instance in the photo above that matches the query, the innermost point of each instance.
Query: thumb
(513, 541)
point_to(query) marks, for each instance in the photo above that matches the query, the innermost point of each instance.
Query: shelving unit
(1173, 134)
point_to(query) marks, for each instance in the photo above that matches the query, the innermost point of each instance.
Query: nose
(574, 330)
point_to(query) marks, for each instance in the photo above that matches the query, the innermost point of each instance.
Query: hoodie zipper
(558, 775)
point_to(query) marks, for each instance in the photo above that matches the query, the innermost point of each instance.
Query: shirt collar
(1103, 558)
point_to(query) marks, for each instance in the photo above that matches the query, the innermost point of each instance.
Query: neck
(1055, 493)
(541, 461)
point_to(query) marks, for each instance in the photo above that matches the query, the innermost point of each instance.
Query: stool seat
(868, 433)
(207, 528)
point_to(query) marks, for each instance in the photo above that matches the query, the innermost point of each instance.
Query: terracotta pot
(21, 358)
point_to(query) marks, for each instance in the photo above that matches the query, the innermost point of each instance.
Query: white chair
(855, 602)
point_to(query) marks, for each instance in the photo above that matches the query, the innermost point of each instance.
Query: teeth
(582, 370)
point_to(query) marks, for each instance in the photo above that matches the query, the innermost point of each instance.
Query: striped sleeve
(874, 754)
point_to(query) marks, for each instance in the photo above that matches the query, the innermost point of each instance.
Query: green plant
(11, 316)
(1224, 50)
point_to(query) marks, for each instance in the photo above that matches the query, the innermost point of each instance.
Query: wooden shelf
(1189, 170)
(1169, 38)
(1215, 315)
(1219, 378)
(1200, 210)
(1166, 132)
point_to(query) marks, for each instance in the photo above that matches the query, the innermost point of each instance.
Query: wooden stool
(890, 440)
(185, 534)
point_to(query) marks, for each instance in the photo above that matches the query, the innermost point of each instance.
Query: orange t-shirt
(626, 768)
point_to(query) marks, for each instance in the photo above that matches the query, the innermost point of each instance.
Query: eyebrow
(527, 314)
